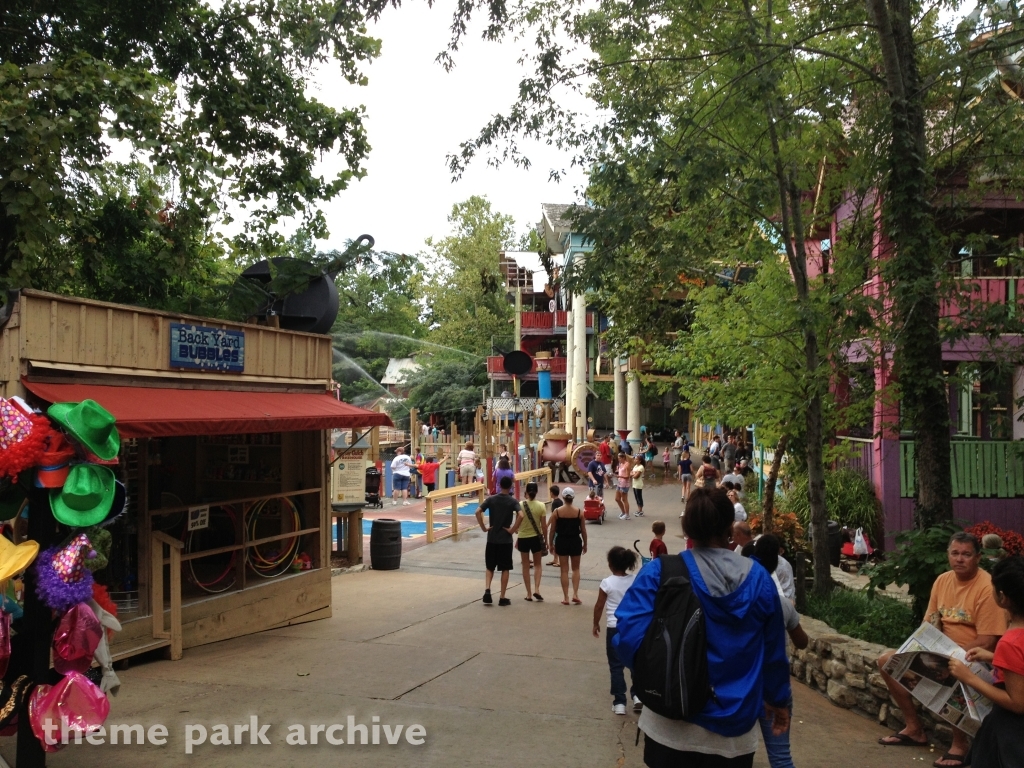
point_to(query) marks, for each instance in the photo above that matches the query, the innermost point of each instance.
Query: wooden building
(225, 451)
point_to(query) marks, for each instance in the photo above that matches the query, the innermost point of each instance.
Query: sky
(417, 114)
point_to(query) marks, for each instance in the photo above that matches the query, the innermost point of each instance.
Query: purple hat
(62, 580)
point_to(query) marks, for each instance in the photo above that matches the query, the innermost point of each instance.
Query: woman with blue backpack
(703, 636)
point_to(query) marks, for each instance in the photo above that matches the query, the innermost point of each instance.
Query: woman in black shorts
(570, 543)
(533, 532)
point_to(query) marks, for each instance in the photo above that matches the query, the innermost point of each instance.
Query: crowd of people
(745, 588)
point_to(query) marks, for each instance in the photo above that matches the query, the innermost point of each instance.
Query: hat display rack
(55, 475)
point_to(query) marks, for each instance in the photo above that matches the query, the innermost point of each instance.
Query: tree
(465, 292)
(446, 385)
(214, 94)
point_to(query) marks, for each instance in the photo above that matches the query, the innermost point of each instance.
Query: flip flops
(577, 601)
(942, 761)
(536, 596)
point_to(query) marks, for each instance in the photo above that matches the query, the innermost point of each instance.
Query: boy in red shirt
(657, 545)
(428, 471)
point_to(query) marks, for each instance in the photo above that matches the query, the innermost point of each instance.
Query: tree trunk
(912, 271)
(768, 507)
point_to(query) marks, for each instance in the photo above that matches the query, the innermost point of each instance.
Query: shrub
(1013, 542)
(881, 620)
(920, 557)
(786, 527)
(849, 500)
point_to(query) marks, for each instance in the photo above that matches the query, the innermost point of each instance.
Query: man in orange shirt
(963, 607)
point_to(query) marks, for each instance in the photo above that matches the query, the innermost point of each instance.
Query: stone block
(820, 681)
(867, 702)
(855, 662)
(834, 669)
(841, 695)
(856, 681)
(883, 713)
(876, 681)
(797, 668)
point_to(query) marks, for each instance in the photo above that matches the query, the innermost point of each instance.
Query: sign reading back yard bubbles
(216, 349)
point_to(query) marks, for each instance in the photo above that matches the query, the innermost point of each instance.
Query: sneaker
(619, 709)
(406, 503)
(637, 704)
(504, 601)
(639, 514)
(394, 503)
(622, 516)
(487, 597)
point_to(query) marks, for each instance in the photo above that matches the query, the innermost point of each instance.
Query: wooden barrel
(386, 545)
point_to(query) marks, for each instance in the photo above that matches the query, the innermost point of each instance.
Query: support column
(633, 406)
(1018, 405)
(579, 371)
(570, 356)
(619, 382)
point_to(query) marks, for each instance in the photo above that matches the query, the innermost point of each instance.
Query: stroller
(373, 487)
(644, 559)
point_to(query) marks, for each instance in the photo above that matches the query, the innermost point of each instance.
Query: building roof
(398, 369)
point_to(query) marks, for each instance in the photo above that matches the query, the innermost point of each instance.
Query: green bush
(849, 500)
(881, 620)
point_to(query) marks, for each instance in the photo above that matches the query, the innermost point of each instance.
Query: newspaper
(921, 665)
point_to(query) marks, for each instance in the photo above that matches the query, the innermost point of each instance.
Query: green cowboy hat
(90, 424)
(86, 496)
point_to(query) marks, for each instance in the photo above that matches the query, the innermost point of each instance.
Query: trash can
(386, 544)
(835, 542)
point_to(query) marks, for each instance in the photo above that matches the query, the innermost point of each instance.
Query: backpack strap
(671, 566)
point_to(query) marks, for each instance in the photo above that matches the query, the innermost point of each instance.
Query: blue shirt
(747, 662)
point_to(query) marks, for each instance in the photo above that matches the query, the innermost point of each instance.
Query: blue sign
(196, 346)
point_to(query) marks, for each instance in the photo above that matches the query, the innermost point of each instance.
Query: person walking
(504, 516)
(604, 452)
(401, 476)
(556, 501)
(685, 474)
(623, 472)
(746, 646)
(570, 543)
(620, 562)
(533, 536)
(636, 474)
(707, 475)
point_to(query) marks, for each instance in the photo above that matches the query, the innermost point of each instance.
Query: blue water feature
(412, 528)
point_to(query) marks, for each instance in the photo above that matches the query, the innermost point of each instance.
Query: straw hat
(15, 558)
(90, 424)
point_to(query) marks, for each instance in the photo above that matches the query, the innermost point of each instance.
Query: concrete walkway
(525, 685)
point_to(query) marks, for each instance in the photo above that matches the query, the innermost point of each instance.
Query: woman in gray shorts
(467, 463)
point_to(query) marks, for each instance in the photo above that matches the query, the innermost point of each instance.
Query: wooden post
(455, 514)
(355, 536)
(414, 431)
(528, 461)
(430, 520)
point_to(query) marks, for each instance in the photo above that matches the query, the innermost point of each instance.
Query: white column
(570, 355)
(579, 371)
(633, 407)
(619, 382)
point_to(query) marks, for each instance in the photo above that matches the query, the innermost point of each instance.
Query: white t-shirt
(735, 479)
(466, 457)
(615, 587)
(713, 448)
(739, 513)
(784, 571)
(401, 465)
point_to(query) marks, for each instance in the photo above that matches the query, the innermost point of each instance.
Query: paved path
(523, 686)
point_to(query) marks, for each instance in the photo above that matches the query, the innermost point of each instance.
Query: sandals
(536, 596)
(940, 763)
(528, 599)
(903, 740)
(577, 601)
(565, 602)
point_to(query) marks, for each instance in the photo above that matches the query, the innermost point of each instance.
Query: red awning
(159, 412)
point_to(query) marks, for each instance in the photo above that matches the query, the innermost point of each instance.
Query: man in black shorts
(504, 515)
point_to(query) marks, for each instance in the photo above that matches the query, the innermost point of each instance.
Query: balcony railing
(983, 290)
(562, 319)
(494, 366)
(978, 468)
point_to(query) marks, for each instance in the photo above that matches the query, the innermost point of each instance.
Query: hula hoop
(208, 586)
(270, 567)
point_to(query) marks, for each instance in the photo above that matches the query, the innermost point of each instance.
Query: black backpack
(670, 670)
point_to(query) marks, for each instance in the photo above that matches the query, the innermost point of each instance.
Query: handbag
(543, 541)
(698, 479)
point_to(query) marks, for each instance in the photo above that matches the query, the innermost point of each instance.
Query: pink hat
(62, 580)
(76, 639)
(22, 438)
(73, 704)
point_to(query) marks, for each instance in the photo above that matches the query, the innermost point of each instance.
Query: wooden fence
(978, 468)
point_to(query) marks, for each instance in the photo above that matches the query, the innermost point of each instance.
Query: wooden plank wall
(978, 468)
(79, 332)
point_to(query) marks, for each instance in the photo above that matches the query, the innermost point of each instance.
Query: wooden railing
(452, 493)
(978, 468)
(160, 632)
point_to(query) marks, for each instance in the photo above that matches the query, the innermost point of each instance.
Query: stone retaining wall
(845, 670)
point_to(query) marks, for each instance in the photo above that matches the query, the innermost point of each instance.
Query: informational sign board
(198, 518)
(349, 478)
(212, 349)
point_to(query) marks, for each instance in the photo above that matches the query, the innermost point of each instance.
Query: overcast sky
(417, 114)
